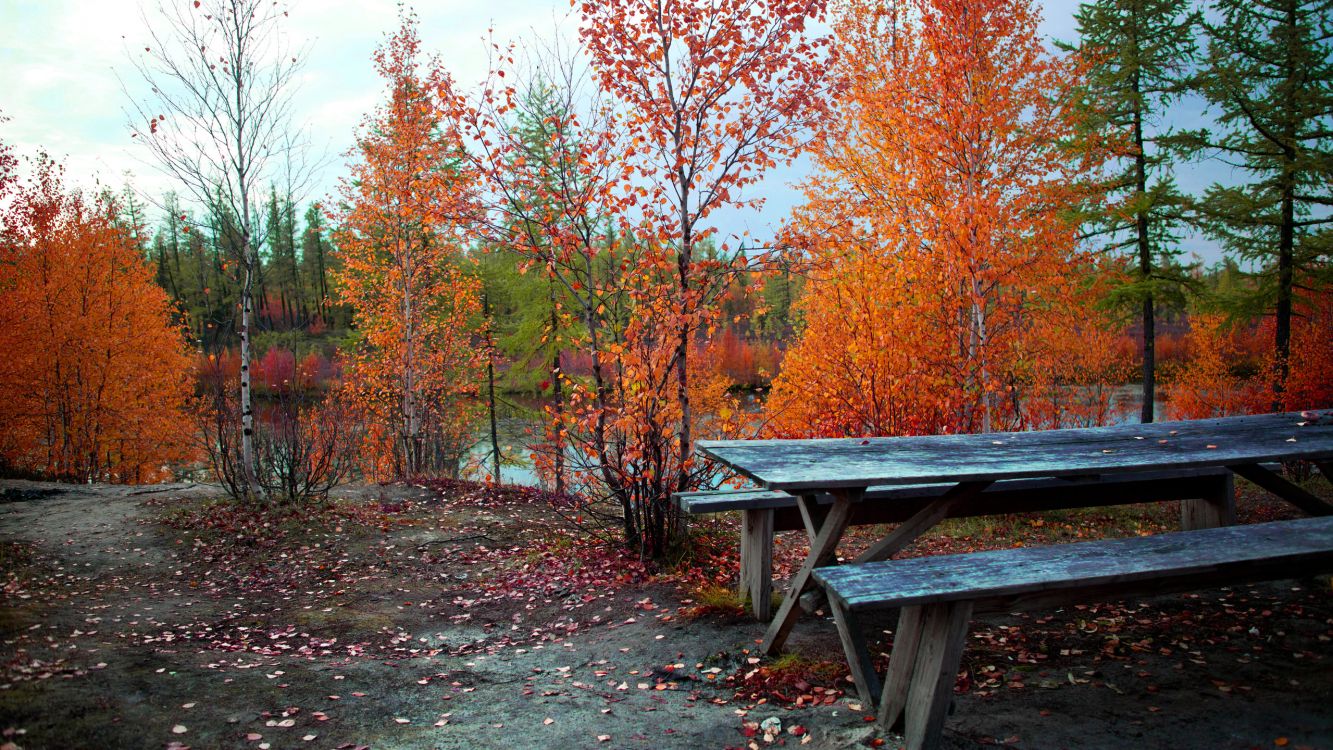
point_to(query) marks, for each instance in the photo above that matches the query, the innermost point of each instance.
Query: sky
(66, 70)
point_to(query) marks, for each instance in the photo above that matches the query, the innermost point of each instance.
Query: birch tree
(218, 118)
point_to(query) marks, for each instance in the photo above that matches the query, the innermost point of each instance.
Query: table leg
(1284, 489)
(757, 560)
(1216, 508)
(823, 550)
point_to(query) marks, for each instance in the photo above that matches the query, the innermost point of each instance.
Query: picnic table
(845, 468)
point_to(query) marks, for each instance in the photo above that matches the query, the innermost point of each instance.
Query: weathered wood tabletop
(796, 465)
(846, 467)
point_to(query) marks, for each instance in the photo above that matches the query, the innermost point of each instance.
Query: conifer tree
(1268, 75)
(1141, 52)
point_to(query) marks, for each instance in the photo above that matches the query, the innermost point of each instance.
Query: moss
(343, 619)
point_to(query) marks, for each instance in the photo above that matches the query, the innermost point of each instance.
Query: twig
(455, 539)
(164, 489)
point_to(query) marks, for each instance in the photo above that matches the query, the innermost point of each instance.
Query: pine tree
(1269, 77)
(1141, 51)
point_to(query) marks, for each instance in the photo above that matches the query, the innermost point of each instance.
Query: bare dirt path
(139, 617)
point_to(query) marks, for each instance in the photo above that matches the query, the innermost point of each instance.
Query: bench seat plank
(1303, 545)
(938, 594)
(1207, 499)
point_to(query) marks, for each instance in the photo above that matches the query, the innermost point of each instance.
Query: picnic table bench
(1207, 498)
(845, 468)
(939, 594)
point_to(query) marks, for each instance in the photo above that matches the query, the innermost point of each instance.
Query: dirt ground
(159, 617)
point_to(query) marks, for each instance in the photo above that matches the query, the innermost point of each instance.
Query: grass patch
(793, 678)
(720, 602)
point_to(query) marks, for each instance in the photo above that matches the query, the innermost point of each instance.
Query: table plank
(796, 465)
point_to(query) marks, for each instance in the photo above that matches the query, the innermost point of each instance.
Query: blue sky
(62, 62)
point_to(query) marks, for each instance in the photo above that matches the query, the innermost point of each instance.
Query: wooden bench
(938, 595)
(1207, 498)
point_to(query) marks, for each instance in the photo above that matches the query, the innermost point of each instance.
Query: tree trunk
(1145, 265)
(411, 421)
(1287, 230)
(683, 261)
(490, 386)
(558, 394)
(248, 467)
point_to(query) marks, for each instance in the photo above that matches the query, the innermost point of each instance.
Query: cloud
(59, 61)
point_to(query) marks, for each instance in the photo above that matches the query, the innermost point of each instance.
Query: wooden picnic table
(846, 467)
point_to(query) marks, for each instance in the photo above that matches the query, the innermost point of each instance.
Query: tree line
(986, 221)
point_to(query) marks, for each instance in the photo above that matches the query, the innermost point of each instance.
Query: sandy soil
(121, 626)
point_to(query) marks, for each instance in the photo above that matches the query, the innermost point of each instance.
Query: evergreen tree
(1269, 77)
(1141, 50)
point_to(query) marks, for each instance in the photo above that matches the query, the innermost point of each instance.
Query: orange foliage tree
(400, 227)
(94, 379)
(715, 93)
(943, 250)
(550, 154)
(611, 197)
(1215, 382)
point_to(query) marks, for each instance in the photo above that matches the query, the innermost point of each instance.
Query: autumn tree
(400, 234)
(1268, 77)
(943, 263)
(218, 119)
(95, 377)
(575, 190)
(1141, 53)
(713, 93)
(548, 152)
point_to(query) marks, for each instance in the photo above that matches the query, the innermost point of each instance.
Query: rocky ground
(455, 615)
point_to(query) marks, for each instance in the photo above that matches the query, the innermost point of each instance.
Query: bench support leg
(757, 561)
(858, 656)
(940, 631)
(1217, 508)
(902, 660)
(821, 552)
